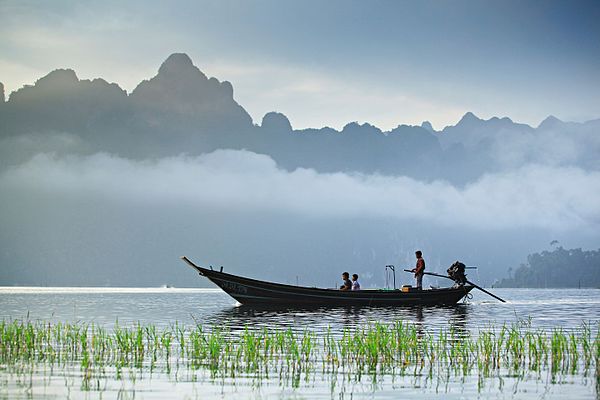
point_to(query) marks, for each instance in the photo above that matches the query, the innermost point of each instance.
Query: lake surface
(536, 308)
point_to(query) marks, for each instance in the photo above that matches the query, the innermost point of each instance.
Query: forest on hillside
(558, 268)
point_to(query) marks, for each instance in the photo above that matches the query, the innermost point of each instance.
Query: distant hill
(181, 110)
(558, 268)
(178, 110)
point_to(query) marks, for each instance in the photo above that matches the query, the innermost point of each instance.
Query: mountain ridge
(178, 64)
(182, 110)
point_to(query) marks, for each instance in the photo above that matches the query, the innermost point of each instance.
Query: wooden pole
(469, 282)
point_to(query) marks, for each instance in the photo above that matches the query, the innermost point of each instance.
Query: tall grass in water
(396, 348)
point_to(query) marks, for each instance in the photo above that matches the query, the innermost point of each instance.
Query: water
(537, 308)
(547, 308)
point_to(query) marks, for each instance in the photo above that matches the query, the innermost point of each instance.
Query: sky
(330, 63)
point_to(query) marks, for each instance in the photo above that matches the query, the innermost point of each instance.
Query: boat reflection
(337, 319)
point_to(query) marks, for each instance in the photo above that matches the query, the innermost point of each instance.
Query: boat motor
(457, 273)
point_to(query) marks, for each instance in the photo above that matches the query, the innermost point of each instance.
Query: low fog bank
(107, 220)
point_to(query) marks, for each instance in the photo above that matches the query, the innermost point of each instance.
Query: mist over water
(107, 220)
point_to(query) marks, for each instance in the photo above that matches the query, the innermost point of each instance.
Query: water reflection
(546, 308)
(338, 318)
(459, 320)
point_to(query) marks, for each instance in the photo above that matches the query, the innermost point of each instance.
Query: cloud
(567, 144)
(533, 196)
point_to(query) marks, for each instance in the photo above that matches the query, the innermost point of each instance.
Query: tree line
(558, 268)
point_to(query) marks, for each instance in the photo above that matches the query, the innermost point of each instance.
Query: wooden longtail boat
(251, 291)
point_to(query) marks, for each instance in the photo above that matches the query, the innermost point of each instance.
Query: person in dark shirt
(419, 269)
(347, 284)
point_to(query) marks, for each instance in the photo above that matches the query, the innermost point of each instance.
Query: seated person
(347, 284)
(355, 284)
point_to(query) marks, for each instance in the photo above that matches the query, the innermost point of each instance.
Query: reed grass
(397, 348)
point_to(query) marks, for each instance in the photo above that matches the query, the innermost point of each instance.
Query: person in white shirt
(355, 284)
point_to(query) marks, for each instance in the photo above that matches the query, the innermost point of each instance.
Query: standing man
(419, 269)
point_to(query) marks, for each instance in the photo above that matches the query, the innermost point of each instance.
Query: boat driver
(419, 269)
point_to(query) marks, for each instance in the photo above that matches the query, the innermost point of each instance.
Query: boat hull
(255, 292)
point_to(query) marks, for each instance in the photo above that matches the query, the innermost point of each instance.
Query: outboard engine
(457, 272)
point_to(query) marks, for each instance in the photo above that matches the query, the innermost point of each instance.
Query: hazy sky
(330, 62)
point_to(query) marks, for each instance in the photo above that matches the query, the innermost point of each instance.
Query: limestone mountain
(60, 102)
(181, 110)
(180, 90)
(178, 110)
